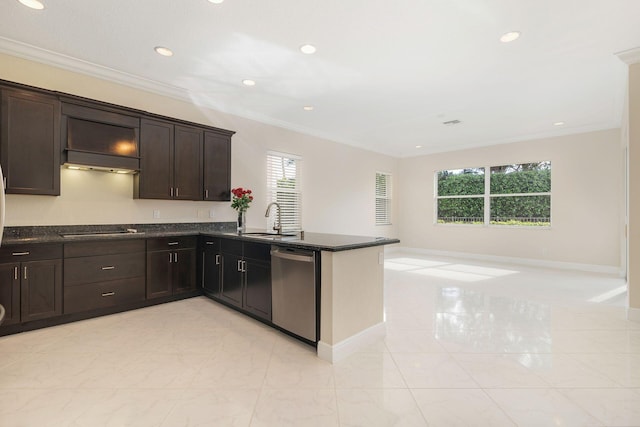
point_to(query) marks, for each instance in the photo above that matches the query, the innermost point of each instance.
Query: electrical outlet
(156, 213)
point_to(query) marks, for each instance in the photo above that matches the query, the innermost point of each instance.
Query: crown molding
(630, 56)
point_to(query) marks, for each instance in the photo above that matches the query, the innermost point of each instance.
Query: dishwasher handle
(293, 256)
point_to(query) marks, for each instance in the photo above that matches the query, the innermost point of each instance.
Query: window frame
(387, 198)
(487, 196)
(272, 193)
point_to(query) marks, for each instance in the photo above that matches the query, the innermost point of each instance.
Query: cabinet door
(41, 289)
(10, 292)
(257, 294)
(159, 279)
(184, 270)
(232, 278)
(217, 167)
(30, 142)
(187, 163)
(211, 269)
(155, 180)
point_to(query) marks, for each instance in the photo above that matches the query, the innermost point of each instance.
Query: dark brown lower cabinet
(30, 282)
(246, 276)
(103, 274)
(41, 290)
(211, 267)
(171, 266)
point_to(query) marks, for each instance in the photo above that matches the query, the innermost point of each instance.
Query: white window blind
(383, 198)
(283, 187)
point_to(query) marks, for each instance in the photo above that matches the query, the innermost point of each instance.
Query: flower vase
(242, 222)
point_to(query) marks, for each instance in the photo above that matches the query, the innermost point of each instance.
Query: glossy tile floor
(468, 344)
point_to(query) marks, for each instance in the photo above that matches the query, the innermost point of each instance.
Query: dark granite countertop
(75, 233)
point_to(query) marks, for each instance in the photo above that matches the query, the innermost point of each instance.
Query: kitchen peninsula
(175, 261)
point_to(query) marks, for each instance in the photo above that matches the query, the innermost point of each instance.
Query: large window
(516, 195)
(460, 196)
(283, 187)
(383, 198)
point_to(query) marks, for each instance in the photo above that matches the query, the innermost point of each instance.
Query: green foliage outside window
(526, 178)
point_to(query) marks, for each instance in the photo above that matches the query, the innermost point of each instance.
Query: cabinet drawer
(19, 253)
(81, 249)
(101, 268)
(103, 294)
(261, 251)
(170, 243)
(211, 243)
(231, 246)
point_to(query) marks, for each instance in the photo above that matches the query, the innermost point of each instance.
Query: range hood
(99, 139)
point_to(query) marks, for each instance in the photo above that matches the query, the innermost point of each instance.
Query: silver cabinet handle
(206, 194)
(171, 191)
(15, 273)
(170, 257)
(177, 192)
(218, 259)
(208, 243)
(175, 257)
(240, 265)
(108, 294)
(20, 253)
(25, 273)
(109, 267)
(244, 266)
(173, 243)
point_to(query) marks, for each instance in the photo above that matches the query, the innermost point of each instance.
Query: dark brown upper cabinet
(216, 166)
(171, 161)
(30, 142)
(103, 138)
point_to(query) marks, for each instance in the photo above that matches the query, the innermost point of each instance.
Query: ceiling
(385, 76)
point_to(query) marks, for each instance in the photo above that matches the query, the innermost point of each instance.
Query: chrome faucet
(278, 225)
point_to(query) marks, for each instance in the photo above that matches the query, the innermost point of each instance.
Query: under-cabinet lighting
(33, 4)
(558, 124)
(216, 1)
(308, 108)
(249, 82)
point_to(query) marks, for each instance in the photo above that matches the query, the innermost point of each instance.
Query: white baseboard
(591, 268)
(633, 314)
(336, 352)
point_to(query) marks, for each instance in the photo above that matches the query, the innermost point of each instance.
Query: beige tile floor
(468, 344)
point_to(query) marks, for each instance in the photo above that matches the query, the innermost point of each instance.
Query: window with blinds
(283, 187)
(383, 198)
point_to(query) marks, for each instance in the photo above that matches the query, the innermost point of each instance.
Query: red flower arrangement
(241, 199)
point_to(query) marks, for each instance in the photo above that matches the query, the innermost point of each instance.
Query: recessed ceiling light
(308, 108)
(164, 51)
(249, 82)
(418, 146)
(558, 124)
(33, 4)
(510, 36)
(308, 49)
(216, 1)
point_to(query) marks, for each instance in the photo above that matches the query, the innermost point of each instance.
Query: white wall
(587, 198)
(338, 181)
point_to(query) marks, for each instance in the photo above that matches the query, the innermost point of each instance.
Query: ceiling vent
(452, 122)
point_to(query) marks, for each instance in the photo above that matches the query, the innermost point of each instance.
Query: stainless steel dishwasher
(293, 291)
